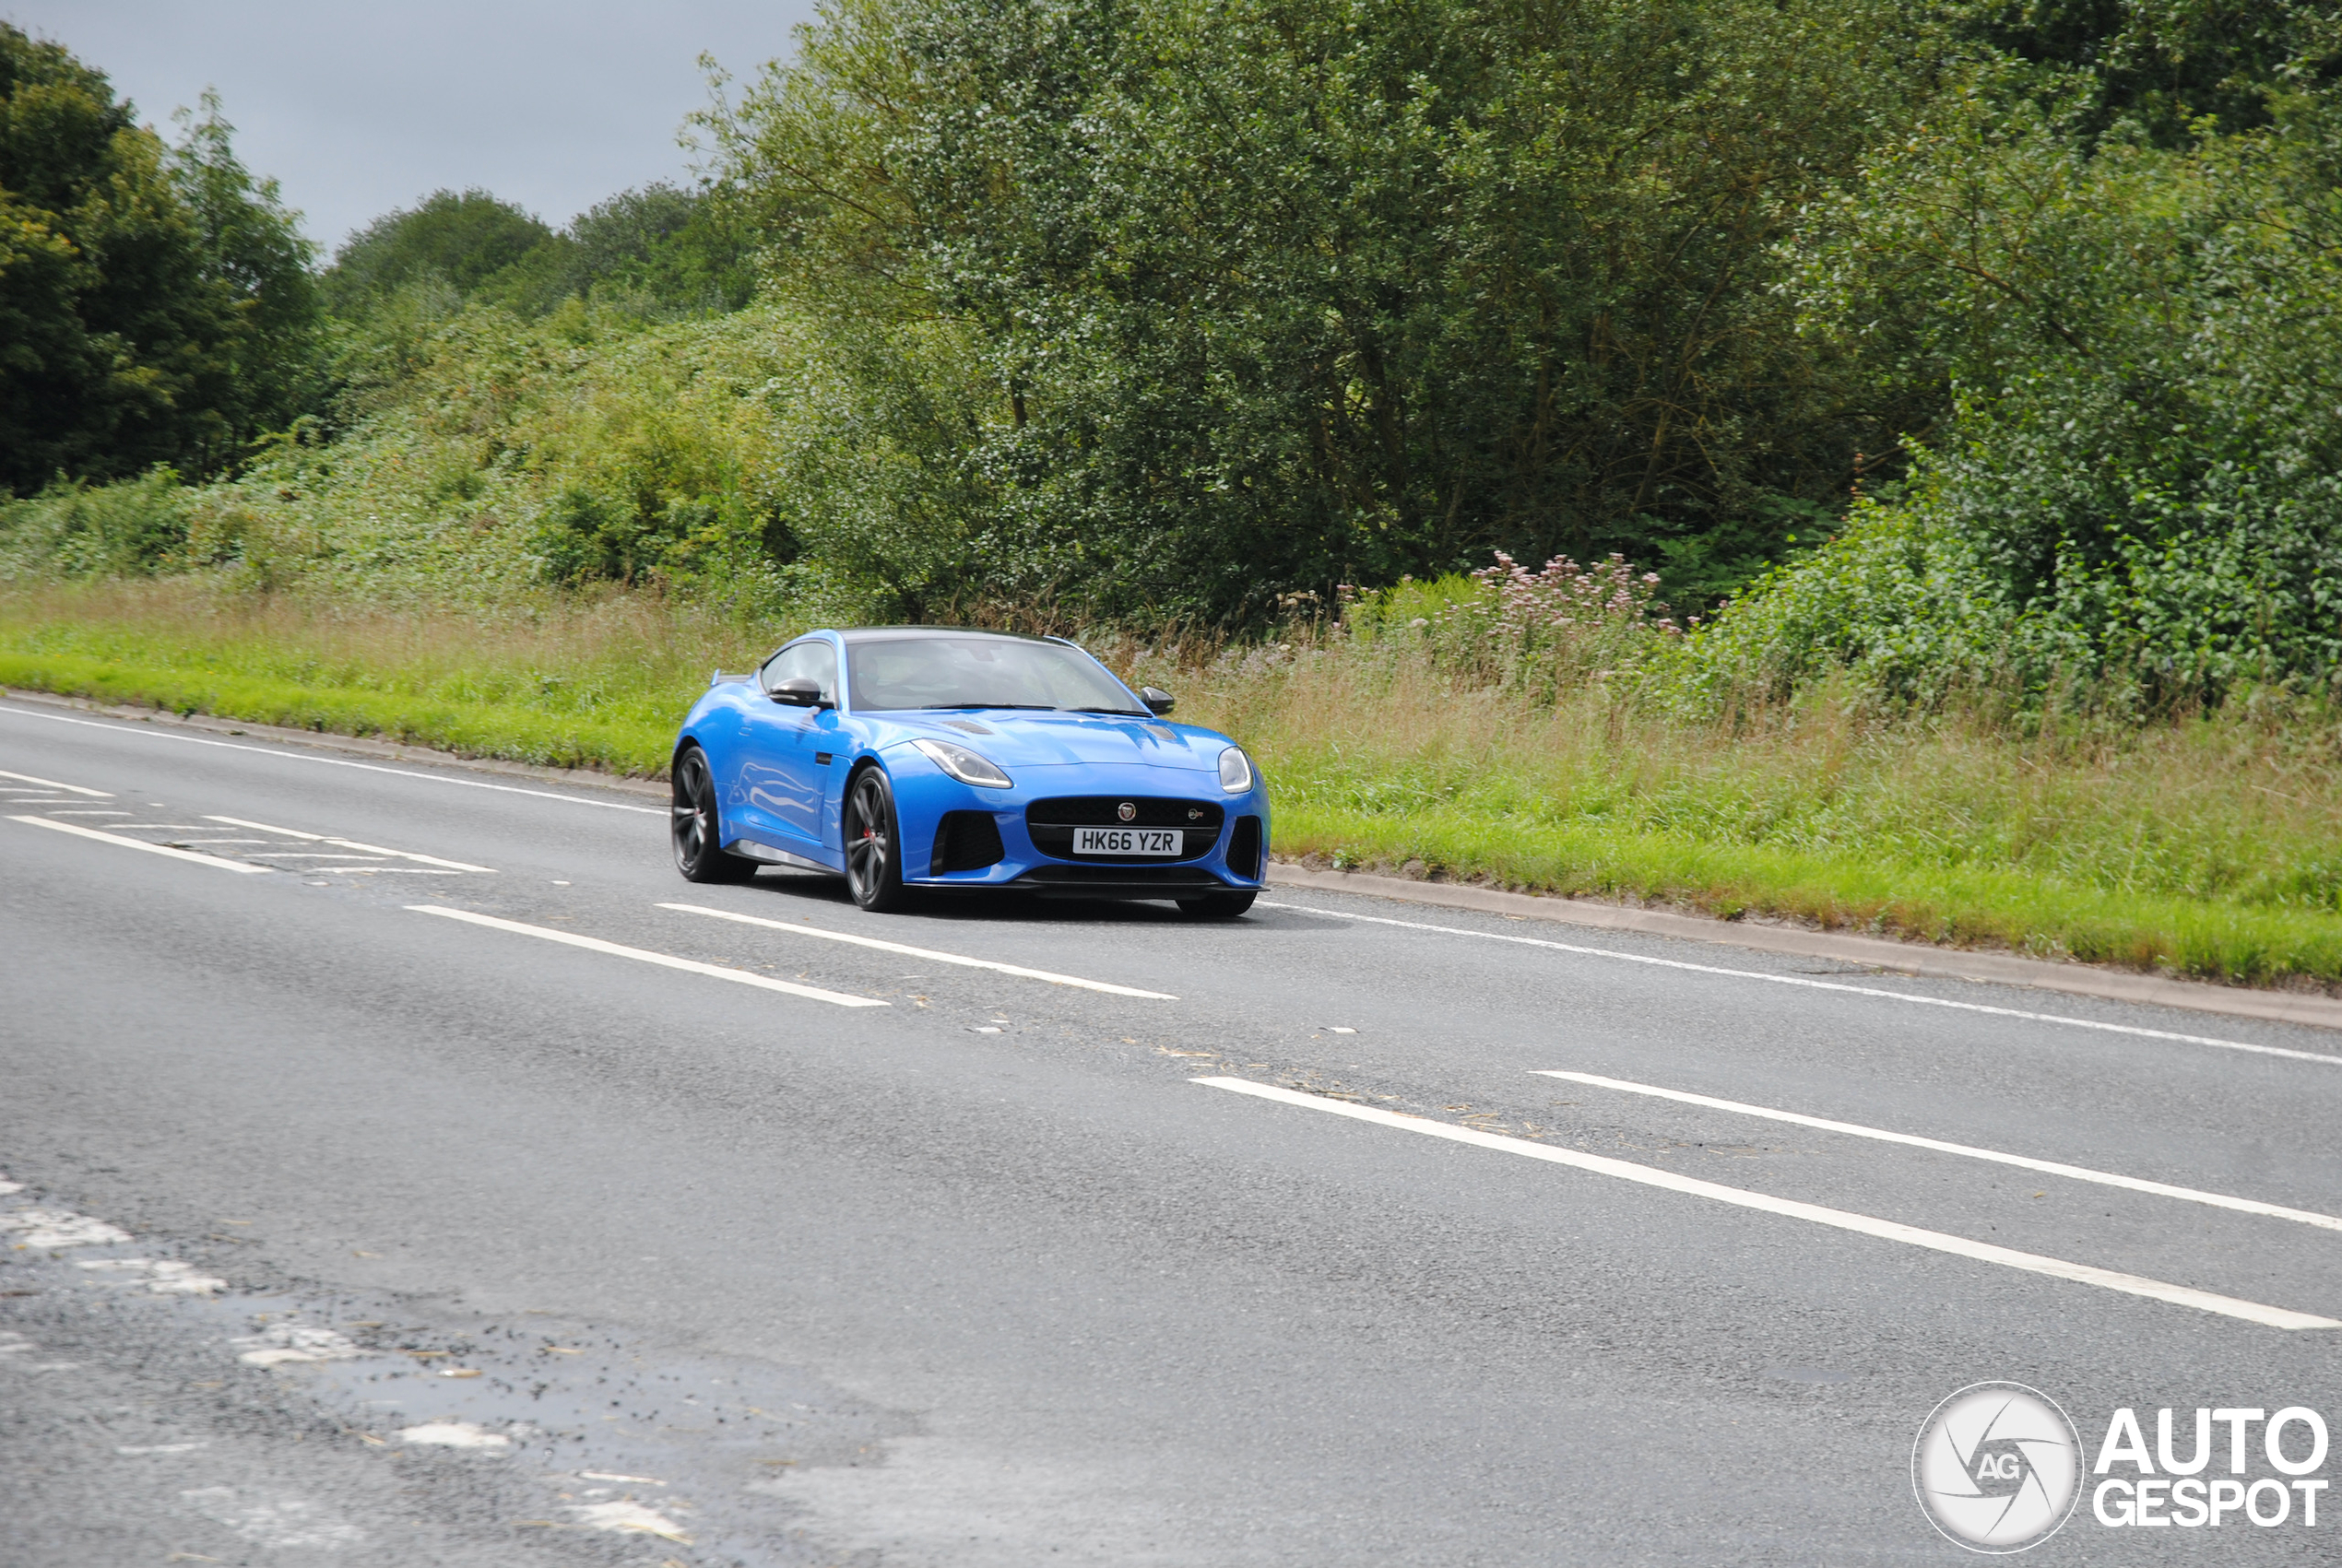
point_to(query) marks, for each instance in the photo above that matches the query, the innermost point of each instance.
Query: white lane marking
(387, 870)
(666, 961)
(329, 761)
(2330, 1060)
(157, 1448)
(454, 1435)
(2050, 1167)
(963, 962)
(1839, 1219)
(353, 844)
(139, 844)
(89, 811)
(51, 784)
(288, 854)
(51, 1229)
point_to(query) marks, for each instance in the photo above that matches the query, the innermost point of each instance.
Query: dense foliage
(156, 304)
(1961, 346)
(1261, 294)
(2140, 500)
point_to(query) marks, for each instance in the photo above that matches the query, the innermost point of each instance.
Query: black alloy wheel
(698, 836)
(873, 843)
(1217, 906)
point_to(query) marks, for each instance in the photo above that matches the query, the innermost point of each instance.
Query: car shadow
(825, 888)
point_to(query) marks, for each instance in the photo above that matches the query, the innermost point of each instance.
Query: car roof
(897, 634)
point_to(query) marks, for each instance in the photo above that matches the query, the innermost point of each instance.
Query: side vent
(1244, 848)
(965, 841)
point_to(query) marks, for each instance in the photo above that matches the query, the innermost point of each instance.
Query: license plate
(1125, 841)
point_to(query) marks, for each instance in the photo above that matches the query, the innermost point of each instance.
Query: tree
(674, 247)
(1277, 293)
(155, 302)
(463, 242)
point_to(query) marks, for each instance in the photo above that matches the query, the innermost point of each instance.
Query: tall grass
(2208, 845)
(594, 681)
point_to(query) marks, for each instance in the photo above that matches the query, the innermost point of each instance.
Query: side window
(814, 660)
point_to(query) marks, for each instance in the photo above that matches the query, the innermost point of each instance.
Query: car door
(783, 765)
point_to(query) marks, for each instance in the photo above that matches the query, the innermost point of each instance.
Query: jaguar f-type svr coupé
(923, 757)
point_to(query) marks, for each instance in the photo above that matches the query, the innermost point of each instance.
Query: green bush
(2140, 500)
(73, 529)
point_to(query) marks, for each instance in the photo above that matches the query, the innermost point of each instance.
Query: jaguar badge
(1126, 811)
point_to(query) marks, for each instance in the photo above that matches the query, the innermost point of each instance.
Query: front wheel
(1217, 906)
(873, 843)
(698, 834)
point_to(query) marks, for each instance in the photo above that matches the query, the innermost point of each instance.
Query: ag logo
(1997, 1467)
(1126, 811)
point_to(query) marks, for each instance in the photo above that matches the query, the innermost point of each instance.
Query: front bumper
(923, 793)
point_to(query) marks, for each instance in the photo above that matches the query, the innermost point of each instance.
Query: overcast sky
(360, 108)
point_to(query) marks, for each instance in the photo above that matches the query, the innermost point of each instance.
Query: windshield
(978, 672)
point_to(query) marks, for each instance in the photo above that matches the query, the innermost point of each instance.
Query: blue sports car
(924, 758)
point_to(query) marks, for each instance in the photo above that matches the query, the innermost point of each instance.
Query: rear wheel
(873, 843)
(697, 831)
(1217, 906)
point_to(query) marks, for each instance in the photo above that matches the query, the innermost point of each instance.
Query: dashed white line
(328, 762)
(2048, 1167)
(351, 844)
(2330, 1060)
(666, 961)
(51, 784)
(80, 832)
(1838, 1219)
(958, 958)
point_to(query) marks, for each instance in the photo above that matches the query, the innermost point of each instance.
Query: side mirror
(1158, 700)
(798, 692)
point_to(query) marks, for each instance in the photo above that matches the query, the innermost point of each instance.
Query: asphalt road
(351, 1231)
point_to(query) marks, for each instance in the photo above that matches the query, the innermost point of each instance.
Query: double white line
(1837, 1218)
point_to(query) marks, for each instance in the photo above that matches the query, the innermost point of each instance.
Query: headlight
(970, 769)
(1236, 771)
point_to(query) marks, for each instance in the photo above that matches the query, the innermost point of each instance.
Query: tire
(697, 831)
(1217, 906)
(873, 843)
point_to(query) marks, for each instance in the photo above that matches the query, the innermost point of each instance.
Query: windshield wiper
(980, 707)
(1132, 712)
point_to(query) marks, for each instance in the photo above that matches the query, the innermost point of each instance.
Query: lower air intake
(965, 841)
(1244, 848)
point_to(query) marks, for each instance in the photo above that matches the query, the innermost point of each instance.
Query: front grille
(965, 841)
(1051, 823)
(1105, 811)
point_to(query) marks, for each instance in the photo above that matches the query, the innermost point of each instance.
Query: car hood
(1043, 739)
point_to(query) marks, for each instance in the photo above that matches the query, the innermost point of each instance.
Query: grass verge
(1967, 908)
(469, 729)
